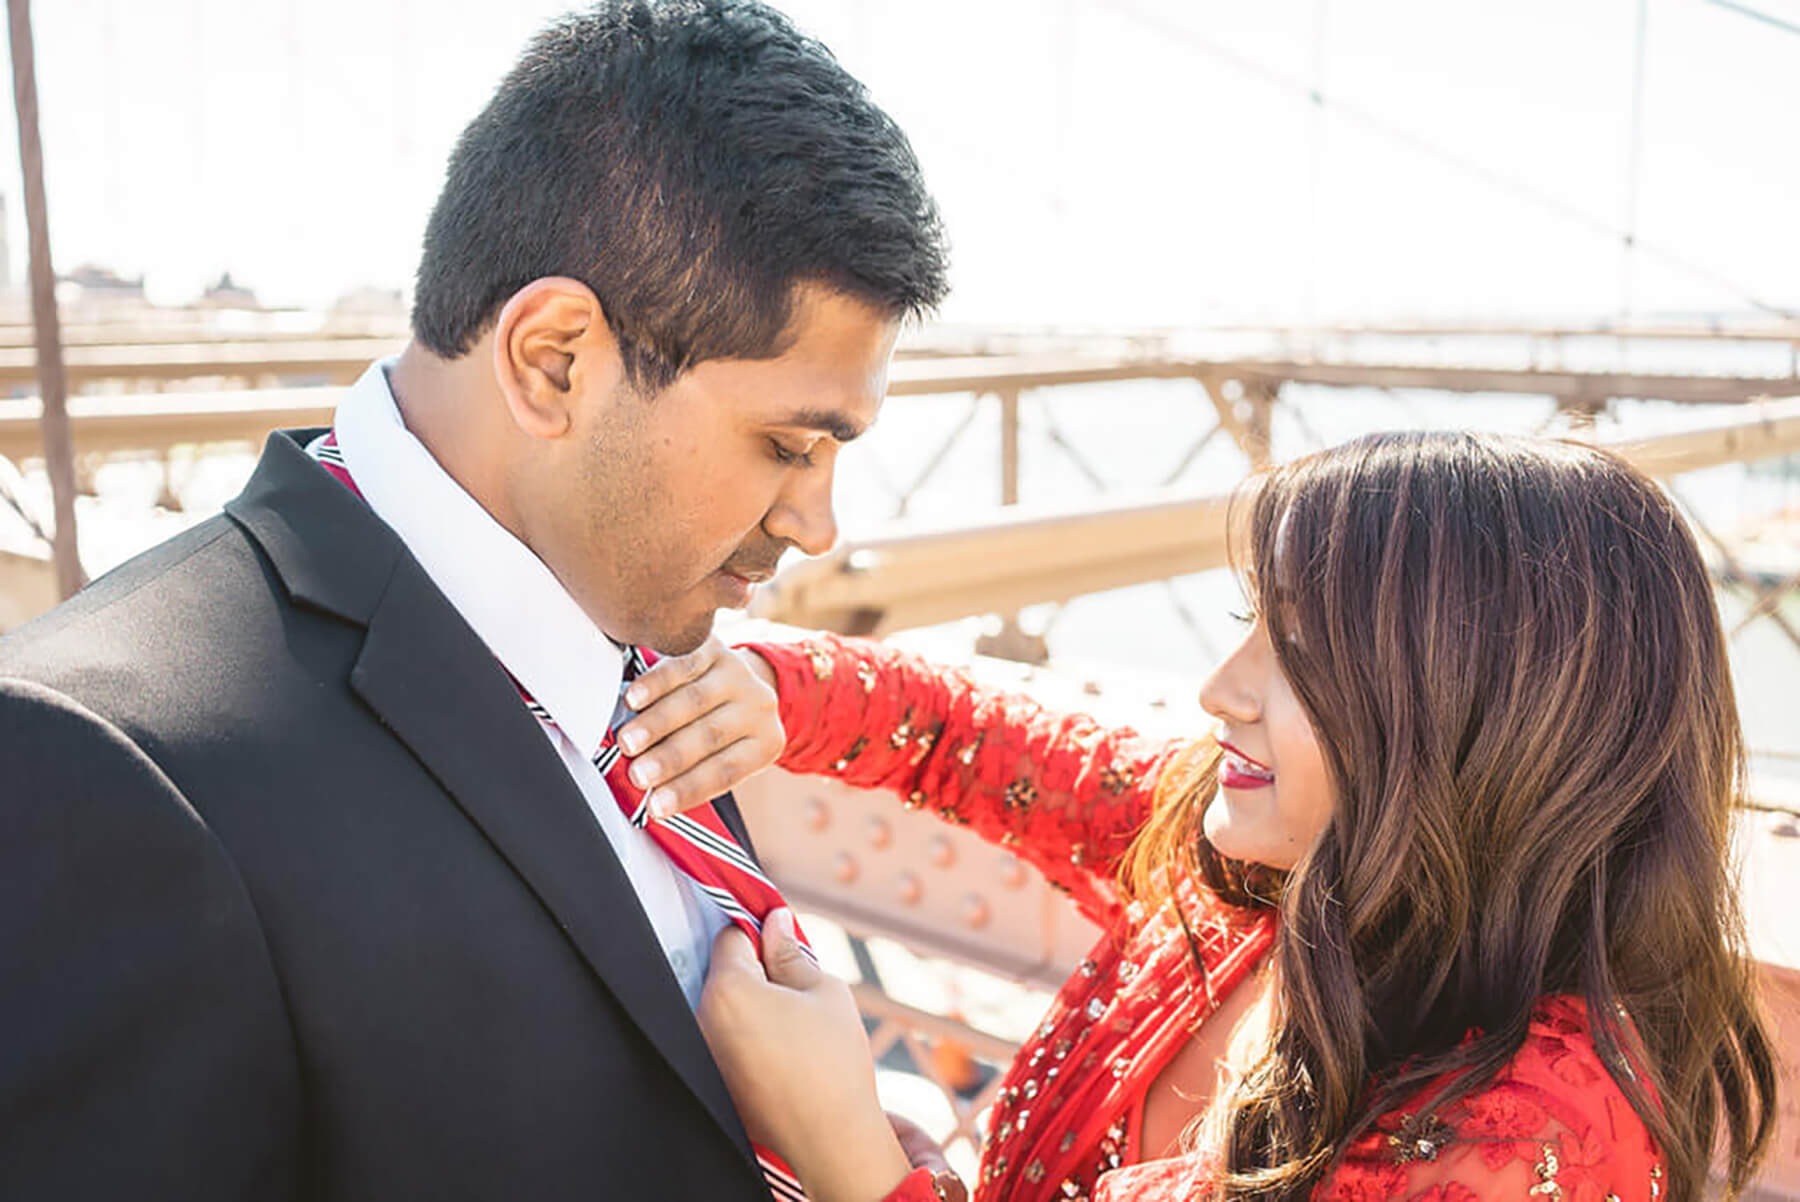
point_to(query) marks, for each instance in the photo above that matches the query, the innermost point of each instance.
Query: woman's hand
(790, 1044)
(707, 721)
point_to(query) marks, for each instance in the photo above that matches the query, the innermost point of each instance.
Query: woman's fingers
(687, 703)
(690, 692)
(671, 672)
(704, 735)
(709, 777)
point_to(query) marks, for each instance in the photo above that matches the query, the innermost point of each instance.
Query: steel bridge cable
(1425, 148)
(1756, 14)
(1634, 168)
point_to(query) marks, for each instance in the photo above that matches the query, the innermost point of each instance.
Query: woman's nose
(1228, 694)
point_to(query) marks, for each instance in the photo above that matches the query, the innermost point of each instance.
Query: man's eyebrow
(827, 421)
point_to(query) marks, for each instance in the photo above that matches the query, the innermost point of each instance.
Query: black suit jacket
(296, 901)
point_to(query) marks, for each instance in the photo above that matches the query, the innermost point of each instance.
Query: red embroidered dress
(1069, 795)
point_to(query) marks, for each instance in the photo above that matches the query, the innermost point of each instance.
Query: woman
(1443, 911)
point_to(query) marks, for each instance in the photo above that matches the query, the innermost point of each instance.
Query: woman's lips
(1239, 771)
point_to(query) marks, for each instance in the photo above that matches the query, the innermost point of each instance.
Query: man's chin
(685, 621)
(683, 639)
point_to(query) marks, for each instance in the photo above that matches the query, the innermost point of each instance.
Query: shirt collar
(501, 588)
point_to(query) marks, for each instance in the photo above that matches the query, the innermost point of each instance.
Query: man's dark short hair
(691, 161)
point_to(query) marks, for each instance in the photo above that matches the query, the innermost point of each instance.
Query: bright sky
(1098, 161)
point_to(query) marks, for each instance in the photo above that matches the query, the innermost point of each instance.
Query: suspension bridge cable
(1634, 167)
(1425, 148)
(1756, 14)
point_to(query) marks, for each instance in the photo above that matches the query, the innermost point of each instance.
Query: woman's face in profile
(1274, 793)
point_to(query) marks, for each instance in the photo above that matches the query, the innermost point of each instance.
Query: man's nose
(803, 515)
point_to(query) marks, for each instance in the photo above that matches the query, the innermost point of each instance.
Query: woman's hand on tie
(790, 1044)
(706, 722)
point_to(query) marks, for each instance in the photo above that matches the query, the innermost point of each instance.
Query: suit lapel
(438, 689)
(435, 685)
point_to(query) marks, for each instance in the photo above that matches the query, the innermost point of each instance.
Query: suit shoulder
(80, 791)
(149, 598)
(45, 735)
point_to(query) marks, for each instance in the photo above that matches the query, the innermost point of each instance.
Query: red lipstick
(1239, 771)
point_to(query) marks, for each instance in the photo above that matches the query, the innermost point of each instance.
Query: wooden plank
(1775, 332)
(342, 360)
(1581, 388)
(1763, 431)
(337, 360)
(919, 377)
(197, 332)
(156, 422)
(913, 574)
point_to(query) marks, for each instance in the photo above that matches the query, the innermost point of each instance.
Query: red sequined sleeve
(1064, 792)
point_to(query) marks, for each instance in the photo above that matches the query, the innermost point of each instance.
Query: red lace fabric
(1553, 1125)
(1068, 795)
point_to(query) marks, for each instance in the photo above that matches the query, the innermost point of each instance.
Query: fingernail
(660, 803)
(783, 919)
(633, 740)
(634, 696)
(643, 773)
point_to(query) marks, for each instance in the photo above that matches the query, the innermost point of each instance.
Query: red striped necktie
(697, 841)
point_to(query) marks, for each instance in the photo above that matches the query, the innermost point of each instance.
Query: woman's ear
(552, 344)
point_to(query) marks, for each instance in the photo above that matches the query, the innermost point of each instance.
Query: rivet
(818, 814)
(911, 889)
(880, 833)
(1013, 874)
(941, 852)
(975, 911)
(843, 868)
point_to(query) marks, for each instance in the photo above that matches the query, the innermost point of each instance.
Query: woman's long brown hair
(1510, 653)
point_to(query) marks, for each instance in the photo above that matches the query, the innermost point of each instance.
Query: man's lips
(740, 582)
(1239, 771)
(752, 571)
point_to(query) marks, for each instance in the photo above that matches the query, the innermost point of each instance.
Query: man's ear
(552, 345)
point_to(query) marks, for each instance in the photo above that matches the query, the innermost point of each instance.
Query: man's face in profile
(688, 497)
(648, 194)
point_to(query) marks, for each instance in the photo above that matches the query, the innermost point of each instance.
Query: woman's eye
(1244, 617)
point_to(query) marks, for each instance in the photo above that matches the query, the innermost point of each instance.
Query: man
(311, 886)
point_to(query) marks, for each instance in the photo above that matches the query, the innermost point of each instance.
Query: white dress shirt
(535, 629)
